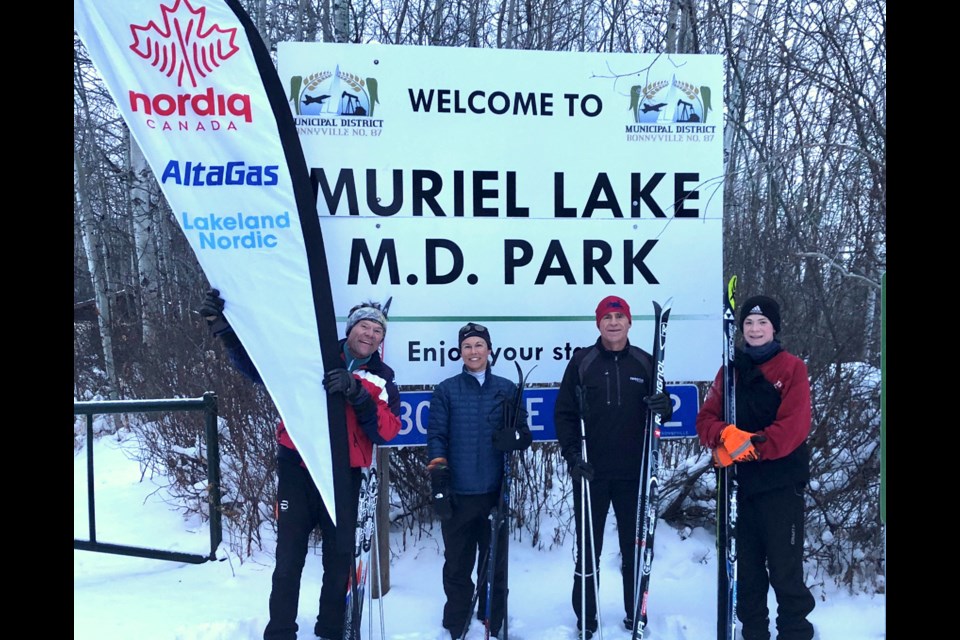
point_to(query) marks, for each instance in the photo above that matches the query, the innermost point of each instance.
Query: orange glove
(737, 446)
(721, 458)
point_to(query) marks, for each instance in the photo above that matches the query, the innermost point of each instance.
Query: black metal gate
(207, 404)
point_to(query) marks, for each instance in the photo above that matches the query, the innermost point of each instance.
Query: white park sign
(516, 189)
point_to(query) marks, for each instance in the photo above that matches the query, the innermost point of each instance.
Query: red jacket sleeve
(388, 422)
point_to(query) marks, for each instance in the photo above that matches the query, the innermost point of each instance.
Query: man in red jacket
(373, 417)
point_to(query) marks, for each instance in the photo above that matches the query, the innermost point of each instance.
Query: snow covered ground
(125, 597)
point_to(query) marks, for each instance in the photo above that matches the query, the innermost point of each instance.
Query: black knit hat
(763, 305)
(472, 329)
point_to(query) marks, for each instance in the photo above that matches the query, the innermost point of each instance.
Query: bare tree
(90, 229)
(95, 261)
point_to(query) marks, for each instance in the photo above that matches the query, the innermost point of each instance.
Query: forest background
(804, 222)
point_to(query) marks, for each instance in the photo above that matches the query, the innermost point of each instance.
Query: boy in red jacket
(768, 445)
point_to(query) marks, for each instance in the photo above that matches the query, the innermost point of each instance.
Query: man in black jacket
(616, 381)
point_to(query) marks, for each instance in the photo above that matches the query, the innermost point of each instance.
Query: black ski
(727, 485)
(648, 500)
(482, 571)
(498, 519)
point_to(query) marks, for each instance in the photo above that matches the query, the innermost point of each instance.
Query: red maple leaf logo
(182, 45)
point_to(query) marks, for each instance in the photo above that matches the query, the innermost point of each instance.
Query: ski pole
(379, 575)
(508, 464)
(586, 514)
(476, 593)
(509, 460)
(491, 567)
(595, 576)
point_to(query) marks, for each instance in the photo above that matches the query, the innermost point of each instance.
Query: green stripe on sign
(636, 317)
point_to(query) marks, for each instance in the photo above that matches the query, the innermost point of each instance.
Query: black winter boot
(591, 629)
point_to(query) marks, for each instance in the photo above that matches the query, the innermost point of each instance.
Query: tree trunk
(95, 262)
(341, 20)
(510, 40)
(436, 31)
(326, 22)
(143, 198)
(737, 54)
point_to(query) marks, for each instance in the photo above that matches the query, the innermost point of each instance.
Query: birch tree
(144, 195)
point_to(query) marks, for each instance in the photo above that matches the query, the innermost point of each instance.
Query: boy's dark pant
(770, 553)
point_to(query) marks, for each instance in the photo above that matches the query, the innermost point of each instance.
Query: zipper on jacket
(616, 363)
(606, 376)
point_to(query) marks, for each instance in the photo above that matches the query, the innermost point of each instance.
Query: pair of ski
(649, 495)
(727, 485)
(365, 539)
(498, 520)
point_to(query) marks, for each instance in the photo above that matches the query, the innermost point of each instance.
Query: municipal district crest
(333, 93)
(669, 101)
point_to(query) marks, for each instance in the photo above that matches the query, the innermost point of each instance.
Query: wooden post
(382, 549)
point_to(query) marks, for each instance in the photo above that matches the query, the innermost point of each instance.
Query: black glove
(212, 312)
(342, 381)
(441, 493)
(508, 439)
(660, 403)
(580, 469)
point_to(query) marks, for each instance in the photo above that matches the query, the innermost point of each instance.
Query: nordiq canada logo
(183, 46)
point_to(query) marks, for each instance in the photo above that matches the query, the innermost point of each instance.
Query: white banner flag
(197, 88)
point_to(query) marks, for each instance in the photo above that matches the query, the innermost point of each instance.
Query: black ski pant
(770, 553)
(466, 541)
(623, 495)
(300, 509)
